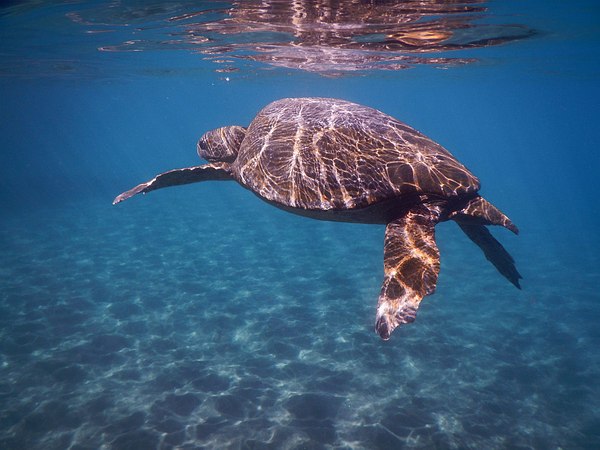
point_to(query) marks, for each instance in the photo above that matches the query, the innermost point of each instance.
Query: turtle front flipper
(205, 172)
(411, 265)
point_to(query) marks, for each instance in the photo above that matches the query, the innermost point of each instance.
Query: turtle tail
(472, 219)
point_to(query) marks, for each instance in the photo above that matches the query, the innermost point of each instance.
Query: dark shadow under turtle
(335, 160)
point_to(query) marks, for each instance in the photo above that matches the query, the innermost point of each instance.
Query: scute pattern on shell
(320, 153)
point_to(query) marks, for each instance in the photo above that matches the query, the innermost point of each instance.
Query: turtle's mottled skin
(335, 160)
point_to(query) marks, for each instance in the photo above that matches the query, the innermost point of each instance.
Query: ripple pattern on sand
(164, 325)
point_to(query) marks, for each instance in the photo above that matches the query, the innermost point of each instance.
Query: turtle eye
(202, 148)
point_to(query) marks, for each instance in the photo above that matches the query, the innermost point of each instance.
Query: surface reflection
(328, 37)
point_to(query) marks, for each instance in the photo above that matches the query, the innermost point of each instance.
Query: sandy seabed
(159, 324)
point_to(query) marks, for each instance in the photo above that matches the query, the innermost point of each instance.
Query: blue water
(200, 317)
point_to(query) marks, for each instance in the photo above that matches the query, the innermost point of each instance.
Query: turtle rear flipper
(472, 219)
(205, 172)
(411, 265)
(493, 251)
(479, 210)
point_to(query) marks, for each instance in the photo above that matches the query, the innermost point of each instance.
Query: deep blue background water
(199, 316)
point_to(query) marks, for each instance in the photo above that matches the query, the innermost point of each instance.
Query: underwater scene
(201, 316)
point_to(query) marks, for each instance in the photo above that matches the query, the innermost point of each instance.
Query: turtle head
(221, 144)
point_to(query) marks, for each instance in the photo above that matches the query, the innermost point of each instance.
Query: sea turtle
(335, 160)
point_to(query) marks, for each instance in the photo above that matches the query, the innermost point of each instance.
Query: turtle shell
(329, 154)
